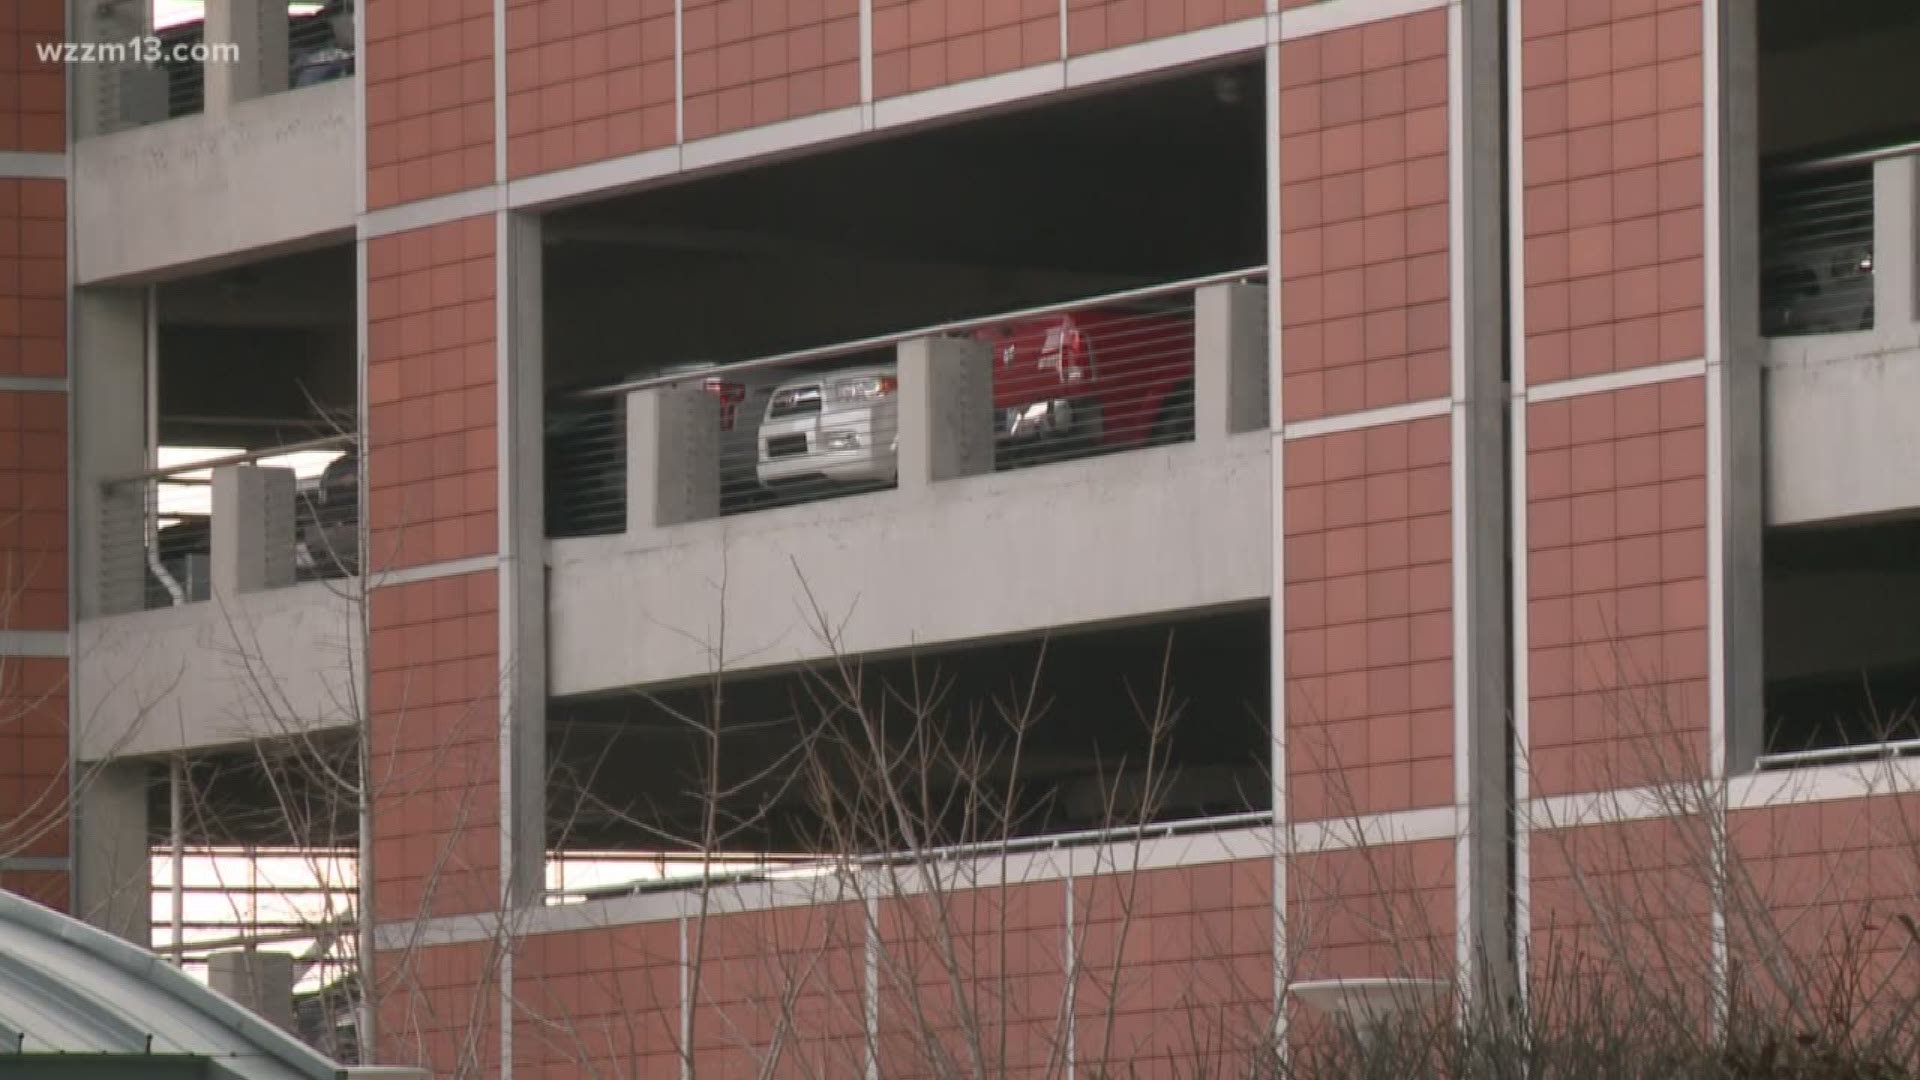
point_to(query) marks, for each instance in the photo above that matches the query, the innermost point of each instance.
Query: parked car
(1064, 385)
(1101, 378)
(843, 426)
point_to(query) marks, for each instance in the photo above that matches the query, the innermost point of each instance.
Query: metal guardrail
(156, 527)
(1073, 379)
(1024, 845)
(1840, 755)
(186, 74)
(1817, 242)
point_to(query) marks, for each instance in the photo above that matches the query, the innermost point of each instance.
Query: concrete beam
(271, 175)
(1103, 539)
(255, 665)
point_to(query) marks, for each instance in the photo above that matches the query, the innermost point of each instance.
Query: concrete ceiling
(1164, 178)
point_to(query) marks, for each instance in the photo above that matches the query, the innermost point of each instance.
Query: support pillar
(253, 533)
(1229, 360)
(946, 410)
(257, 31)
(261, 982)
(113, 860)
(1484, 789)
(110, 439)
(523, 568)
(673, 457)
(1896, 246)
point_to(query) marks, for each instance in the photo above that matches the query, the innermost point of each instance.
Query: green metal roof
(106, 1007)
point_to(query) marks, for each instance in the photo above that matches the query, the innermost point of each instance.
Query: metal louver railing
(1817, 244)
(1065, 381)
(156, 539)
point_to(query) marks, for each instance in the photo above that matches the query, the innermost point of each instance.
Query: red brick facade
(1363, 218)
(429, 86)
(32, 93)
(431, 394)
(1369, 648)
(1612, 142)
(34, 501)
(1617, 587)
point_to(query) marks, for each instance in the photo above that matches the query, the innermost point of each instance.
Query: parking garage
(253, 365)
(823, 260)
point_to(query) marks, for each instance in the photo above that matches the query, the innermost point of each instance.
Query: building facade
(1286, 492)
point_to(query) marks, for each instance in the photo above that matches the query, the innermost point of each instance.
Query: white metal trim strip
(770, 139)
(1617, 380)
(29, 384)
(984, 93)
(427, 213)
(36, 864)
(1366, 418)
(599, 178)
(1277, 603)
(1460, 565)
(1160, 54)
(23, 165)
(988, 871)
(1329, 15)
(52, 644)
(432, 571)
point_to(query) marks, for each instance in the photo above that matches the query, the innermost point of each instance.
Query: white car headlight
(864, 388)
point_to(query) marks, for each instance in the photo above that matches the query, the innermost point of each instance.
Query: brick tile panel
(431, 395)
(1174, 965)
(925, 44)
(1094, 25)
(1364, 218)
(32, 91)
(1613, 190)
(429, 88)
(1617, 588)
(1369, 602)
(434, 694)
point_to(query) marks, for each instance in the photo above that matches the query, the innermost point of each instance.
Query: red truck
(1089, 380)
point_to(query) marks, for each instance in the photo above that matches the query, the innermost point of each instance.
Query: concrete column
(1229, 360)
(673, 457)
(946, 410)
(523, 566)
(253, 529)
(113, 869)
(1740, 368)
(1480, 419)
(257, 29)
(261, 982)
(110, 439)
(1895, 248)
